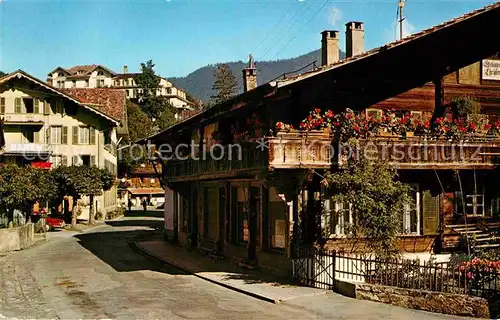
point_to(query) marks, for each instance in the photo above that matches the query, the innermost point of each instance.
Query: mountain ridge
(199, 82)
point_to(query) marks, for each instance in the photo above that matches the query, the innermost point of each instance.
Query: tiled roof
(126, 75)
(109, 101)
(85, 68)
(393, 44)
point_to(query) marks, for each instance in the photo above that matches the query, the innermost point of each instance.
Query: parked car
(51, 222)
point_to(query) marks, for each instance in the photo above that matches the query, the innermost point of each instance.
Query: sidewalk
(225, 273)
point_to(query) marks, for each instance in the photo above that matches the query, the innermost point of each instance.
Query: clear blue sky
(181, 35)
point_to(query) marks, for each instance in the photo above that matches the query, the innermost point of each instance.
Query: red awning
(41, 165)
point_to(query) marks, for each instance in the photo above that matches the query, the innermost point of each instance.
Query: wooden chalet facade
(250, 206)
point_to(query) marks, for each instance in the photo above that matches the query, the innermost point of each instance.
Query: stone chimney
(125, 69)
(250, 75)
(329, 47)
(355, 38)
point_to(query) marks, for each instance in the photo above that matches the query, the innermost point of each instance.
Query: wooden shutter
(430, 210)
(64, 135)
(18, 105)
(36, 137)
(92, 135)
(47, 135)
(75, 135)
(46, 107)
(2, 105)
(64, 161)
(36, 105)
(92, 161)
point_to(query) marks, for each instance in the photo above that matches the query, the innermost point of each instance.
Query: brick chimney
(355, 38)
(250, 75)
(125, 69)
(329, 47)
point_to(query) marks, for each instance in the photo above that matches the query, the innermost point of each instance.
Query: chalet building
(97, 76)
(248, 203)
(48, 127)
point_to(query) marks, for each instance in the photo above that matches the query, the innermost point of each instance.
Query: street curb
(248, 293)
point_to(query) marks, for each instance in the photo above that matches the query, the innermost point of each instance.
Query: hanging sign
(491, 70)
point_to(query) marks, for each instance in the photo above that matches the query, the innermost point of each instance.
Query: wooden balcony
(420, 153)
(235, 162)
(300, 150)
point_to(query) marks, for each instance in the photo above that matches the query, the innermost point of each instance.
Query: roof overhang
(19, 74)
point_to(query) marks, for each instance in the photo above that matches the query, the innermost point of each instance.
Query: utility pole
(401, 4)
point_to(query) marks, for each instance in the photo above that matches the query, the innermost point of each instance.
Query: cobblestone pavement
(97, 275)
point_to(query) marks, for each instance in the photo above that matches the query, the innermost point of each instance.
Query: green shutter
(46, 107)
(2, 105)
(64, 161)
(36, 137)
(47, 135)
(92, 135)
(75, 135)
(92, 161)
(18, 105)
(430, 212)
(64, 135)
(36, 105)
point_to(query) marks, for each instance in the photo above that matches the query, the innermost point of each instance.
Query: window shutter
(46, 107)
(75, 135)
(92, 161)
(47, 135)
(18, 105)
(64, 161)
(92, 135)
(36, 137)
(74, 160)
(36, 106)
(64, 135)
(430, 210)
(2, 105)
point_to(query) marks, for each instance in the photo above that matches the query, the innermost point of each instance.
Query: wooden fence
(321, 269)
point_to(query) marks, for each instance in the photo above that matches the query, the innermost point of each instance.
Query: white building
(48, 127)
(96, 76)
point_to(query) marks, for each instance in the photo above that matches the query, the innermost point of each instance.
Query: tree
(377, 199)
(78, 181)
(139, 124)
(225, 85)
(147, 80)
(22, 187)
(2, 74)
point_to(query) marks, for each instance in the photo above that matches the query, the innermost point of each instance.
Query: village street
(97, 274)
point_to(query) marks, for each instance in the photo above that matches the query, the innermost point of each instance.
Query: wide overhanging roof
(6, 84)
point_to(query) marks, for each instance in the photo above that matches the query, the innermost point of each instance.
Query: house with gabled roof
(47, 127)
(254, 166)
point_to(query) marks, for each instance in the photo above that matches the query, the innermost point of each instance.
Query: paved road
(96, 274)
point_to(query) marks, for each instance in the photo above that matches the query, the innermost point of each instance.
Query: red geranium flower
(329, 114)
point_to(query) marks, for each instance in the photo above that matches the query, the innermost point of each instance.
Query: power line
(303, 27)
(273, 29)
(279, 37)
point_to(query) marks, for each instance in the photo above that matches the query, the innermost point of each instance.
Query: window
(81, 71)
(28, 105)
(28, 135)
(169, 90)
(84, 135)
(56, 161)
(86, 83)
(86, 160)
(73, 84)
(100, 83)
(411, 216)
(128, 93)
(375, 113)
(100, 73)
(342, 218)
(58, 106)
(473, 202)
(130, 82)
(60, 84)
(55, 135)
(2, 105)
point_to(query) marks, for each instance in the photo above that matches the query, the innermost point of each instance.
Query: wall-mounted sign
(491, 70)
